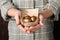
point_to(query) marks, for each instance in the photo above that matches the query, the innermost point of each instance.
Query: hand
(17, 18)
(38, 26)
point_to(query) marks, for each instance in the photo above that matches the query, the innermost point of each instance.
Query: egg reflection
(27, 19)
(33, 18)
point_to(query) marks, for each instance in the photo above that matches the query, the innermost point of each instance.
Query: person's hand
(17, 19)
(38, 26)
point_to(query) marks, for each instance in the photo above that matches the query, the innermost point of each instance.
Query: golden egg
(27, 19)
(33, 18)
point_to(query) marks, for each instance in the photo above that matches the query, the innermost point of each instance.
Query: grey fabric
(6, 4)
(44, 33)
(55, 7)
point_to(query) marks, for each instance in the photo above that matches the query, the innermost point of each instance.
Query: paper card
(29, 13)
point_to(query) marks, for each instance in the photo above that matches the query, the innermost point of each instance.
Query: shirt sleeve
(5, 5)
(55, 7)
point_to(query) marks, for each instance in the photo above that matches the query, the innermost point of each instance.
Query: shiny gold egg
(33, 18)
(27, 19)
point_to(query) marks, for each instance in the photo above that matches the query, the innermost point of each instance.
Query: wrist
(12, 12)
(46, 13)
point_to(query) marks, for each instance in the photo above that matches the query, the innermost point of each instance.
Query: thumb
(17, 19)
(41, 23)
(41, 20)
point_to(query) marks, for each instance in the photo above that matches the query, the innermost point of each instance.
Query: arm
(7, 9)
(51, 9)
(46, 13)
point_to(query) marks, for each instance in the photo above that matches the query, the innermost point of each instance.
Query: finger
(41, 23)
(32, 28)
(17, 19)
(27, 28)
(22, 28)
(41, 20)
(35, 28)
(29, 32)
(38, 26)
